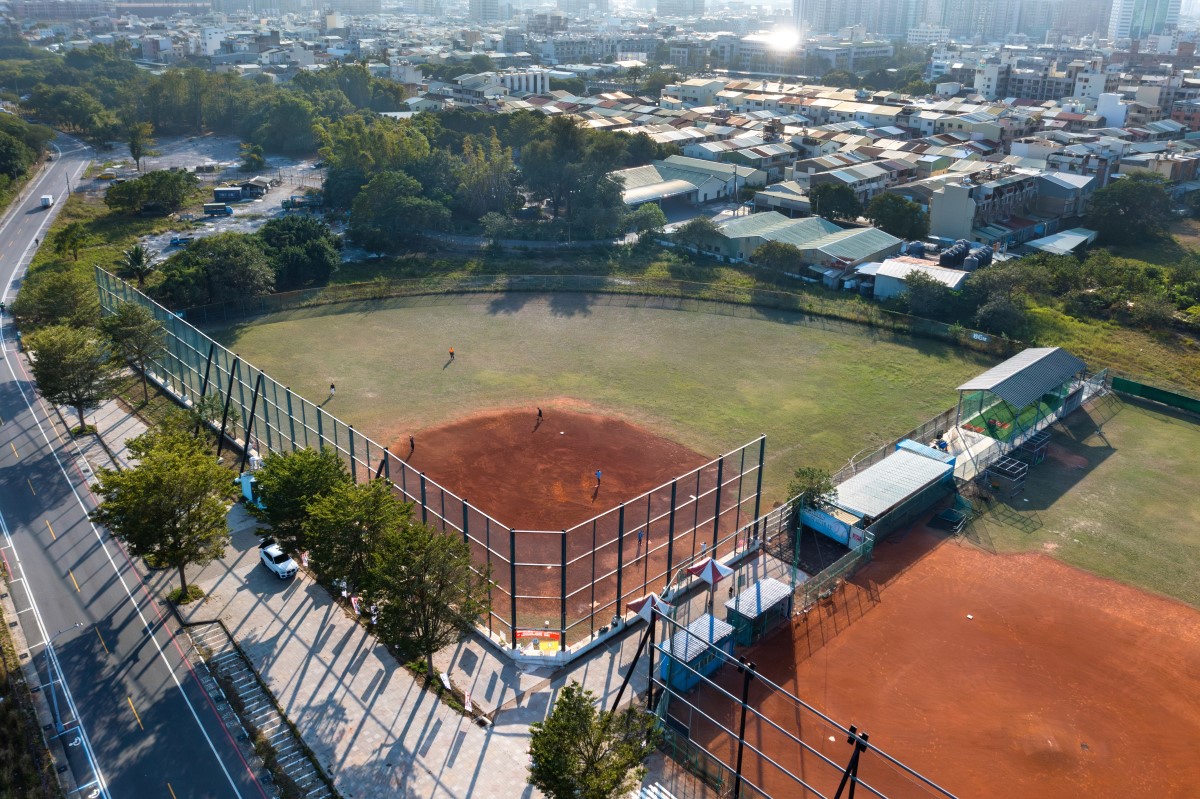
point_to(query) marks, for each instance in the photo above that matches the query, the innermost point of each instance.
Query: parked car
(276, 560)
(181, 241)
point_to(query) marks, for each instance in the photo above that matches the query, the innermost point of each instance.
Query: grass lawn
(710, 382)
(1122, 505)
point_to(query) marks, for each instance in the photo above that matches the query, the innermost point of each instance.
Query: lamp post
(58, 725)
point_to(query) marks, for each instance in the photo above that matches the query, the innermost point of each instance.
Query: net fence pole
(287, 395)
(762, 457)
(563, 589)
(620, 557)
(424, 507)
(747, 670)
(350, 449)
(465, 514)
(671, 533)
(512, 580)
(225, 411)
(250, 422)
(717, 505)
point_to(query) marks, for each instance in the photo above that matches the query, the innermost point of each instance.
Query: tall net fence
(557, 586)
(772, 744)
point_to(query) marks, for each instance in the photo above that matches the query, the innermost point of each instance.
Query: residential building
(1137, 20)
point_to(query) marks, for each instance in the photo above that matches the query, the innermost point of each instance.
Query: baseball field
(709, 382)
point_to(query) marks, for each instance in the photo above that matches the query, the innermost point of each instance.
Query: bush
(180, 597)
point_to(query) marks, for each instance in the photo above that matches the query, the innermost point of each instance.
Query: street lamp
(58, 725)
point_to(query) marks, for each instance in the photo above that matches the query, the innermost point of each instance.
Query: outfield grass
(711, 382)
(1122, 504)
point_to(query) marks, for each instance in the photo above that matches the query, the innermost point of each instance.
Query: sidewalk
(368, 721)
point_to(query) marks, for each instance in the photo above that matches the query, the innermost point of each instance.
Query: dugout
(757, 610)
(885, 495)
(695, 647)
(1011, 400)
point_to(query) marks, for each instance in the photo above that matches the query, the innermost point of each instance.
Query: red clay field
(1062, 684)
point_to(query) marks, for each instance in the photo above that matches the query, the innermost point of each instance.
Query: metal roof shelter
(1028, 375)
(879, 488)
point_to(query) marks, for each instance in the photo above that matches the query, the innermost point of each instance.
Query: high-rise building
(897, 17)
(826, 16)
(680, 8)
(1139, 19)
(484, 10)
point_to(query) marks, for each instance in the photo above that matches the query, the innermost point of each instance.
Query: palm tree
(135, 262)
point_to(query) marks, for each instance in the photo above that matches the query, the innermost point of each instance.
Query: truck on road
(47, 200)
(218, 209)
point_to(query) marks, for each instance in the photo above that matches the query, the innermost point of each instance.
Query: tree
(1001, 314)
(141, 143)
(486, 177)
(136, 263)
(428, 594)
(1133, 209)
(835, 201)
(169, 508)
(15, 157)
(72, 367)
(303, 249)
(780, 256)
(899, 216)
(648, 220)
(253, 158)
(813, 484)
(288, 484)
(70, 238)
(925, 296)
(345, 526)
(840, 78)
(218, 268)
(389, 213)
(697, 233)
(163, 190)
(495, 226)
(137, 336)
(57, 296)
(580, 752)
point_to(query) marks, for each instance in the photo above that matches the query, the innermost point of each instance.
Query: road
(135, 720)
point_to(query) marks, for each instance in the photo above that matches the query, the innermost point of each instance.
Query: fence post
(291, 420)
(466, 513)
(424, 510)
(225, 412)
(250, 422)
(717, 505)
(762, 457)
(353, 467)
(320, 428)
(670, 534)
(512, 580)
(620, 557)
(563, 584)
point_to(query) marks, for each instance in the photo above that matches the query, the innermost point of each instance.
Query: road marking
(73, 579)
(53, 537)
(129, 699)
(172, 790)
(101, 637)
(31, 488)
(15, 453)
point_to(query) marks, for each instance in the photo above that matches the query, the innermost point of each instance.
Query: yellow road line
(53, 537)
(15, 453)
(101, 637)
(172, 790)
(31, 488)
(129, 699)
(73, 579)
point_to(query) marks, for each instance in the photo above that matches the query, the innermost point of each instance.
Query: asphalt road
(135, 720)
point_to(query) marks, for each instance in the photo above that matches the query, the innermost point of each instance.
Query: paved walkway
(364, 716)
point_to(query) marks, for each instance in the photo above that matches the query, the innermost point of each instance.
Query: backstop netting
(557, 588)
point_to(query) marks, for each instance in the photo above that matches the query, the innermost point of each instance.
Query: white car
(278, 561)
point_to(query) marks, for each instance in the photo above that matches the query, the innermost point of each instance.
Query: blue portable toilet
(695, 647)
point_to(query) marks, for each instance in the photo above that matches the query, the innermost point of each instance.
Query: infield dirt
(1061, 684)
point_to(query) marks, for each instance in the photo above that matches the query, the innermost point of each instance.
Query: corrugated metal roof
(879, 488)
(1027, 375)
(657, 191)
(690, 642)
(762, 596)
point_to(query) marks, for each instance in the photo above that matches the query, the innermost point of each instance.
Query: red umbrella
(710, 571)
(642, 607)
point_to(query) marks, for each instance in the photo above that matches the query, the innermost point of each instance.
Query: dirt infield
(542, 476)
(1062, 683)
